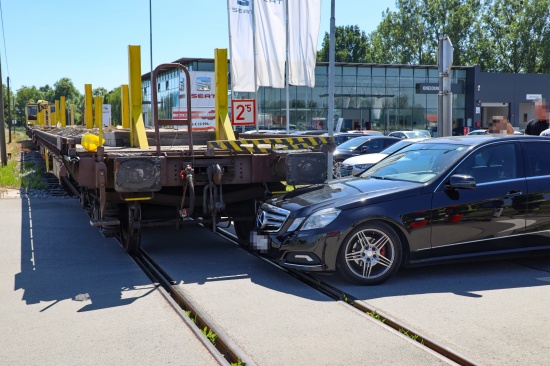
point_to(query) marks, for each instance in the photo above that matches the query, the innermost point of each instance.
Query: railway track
(225, 351)
(215, 340)
(387, 320)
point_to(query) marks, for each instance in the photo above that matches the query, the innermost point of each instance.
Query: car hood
(345, 194)
(365, 159)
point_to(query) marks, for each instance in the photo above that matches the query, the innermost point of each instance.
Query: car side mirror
(461, 181)
(364, 149)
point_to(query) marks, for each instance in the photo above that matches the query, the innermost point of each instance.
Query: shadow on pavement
(64, 258)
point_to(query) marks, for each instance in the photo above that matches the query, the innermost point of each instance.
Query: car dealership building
(369, 96)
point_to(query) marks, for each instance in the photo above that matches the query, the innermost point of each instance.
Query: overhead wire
(4, 38)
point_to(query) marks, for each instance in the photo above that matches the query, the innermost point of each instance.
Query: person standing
(536, 127)
(500, 125)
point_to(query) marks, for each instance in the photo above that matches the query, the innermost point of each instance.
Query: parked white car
(358, 164)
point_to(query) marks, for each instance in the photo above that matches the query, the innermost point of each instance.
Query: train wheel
(130, 227)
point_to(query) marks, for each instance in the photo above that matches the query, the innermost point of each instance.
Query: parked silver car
(358, 164)
(414, 134)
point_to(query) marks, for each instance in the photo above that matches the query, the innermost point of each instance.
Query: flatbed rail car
(125, 188)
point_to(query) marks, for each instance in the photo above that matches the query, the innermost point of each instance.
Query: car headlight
(297, 221)
(320, 219)
(363, 166)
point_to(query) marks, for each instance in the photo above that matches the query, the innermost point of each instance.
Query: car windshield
(396, 147)
(353, 143)
(417, 134)
(419, 162)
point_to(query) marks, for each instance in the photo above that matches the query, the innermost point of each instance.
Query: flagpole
(287, 74)
(255, 66)
(231, 54)
(331, 57)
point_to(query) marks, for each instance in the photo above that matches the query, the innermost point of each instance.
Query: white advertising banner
(202, 118)
(241, 45)
(270, 18)
(202, 89)
(257, 42)
(202, 100)
(304, 21)
(106, 115)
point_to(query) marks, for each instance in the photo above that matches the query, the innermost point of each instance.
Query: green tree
(78, 102)
(100, 92)
(352, 45)
(65, 87)
(8, 109)
(47, 93)
(517, 32)
(545, 54)
(115, 100)
(410, 35)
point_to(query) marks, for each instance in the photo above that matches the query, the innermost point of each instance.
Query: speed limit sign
(243, 112)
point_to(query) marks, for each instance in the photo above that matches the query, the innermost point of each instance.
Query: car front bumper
(311, 251)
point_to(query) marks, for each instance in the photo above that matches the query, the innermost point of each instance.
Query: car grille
(270, 218)
(345, 170)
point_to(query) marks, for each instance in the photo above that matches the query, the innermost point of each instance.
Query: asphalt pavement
(68, 296)
(495, 312)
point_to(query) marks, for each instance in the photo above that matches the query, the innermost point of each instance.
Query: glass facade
(379, 97)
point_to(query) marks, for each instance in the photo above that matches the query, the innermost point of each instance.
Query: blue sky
(87, 41)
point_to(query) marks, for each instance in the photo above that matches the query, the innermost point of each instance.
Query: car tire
(370, 254)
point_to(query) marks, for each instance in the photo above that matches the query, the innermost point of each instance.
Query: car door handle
(513, 194)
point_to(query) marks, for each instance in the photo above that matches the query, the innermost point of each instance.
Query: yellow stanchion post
(98, 107)
(137, 127)
(56, 114)
(224, 130)
(41, 117)
(49, 116)
(88, 116)
(63, 112)
(125, 106)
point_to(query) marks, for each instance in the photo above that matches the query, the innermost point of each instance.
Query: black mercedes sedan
(438, 200)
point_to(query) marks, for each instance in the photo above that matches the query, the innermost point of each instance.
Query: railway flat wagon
(185, 177)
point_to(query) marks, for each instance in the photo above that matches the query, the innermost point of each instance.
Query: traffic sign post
(243, 112)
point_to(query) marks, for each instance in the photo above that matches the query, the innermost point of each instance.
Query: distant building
(383, 97)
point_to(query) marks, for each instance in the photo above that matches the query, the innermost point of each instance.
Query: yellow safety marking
(138, 199)
(278, 143)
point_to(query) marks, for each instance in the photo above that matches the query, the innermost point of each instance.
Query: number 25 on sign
(243, 112)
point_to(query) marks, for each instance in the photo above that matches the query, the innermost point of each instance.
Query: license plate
(259, 242)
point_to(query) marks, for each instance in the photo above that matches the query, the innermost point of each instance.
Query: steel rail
(422, 339)
(224, 350)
